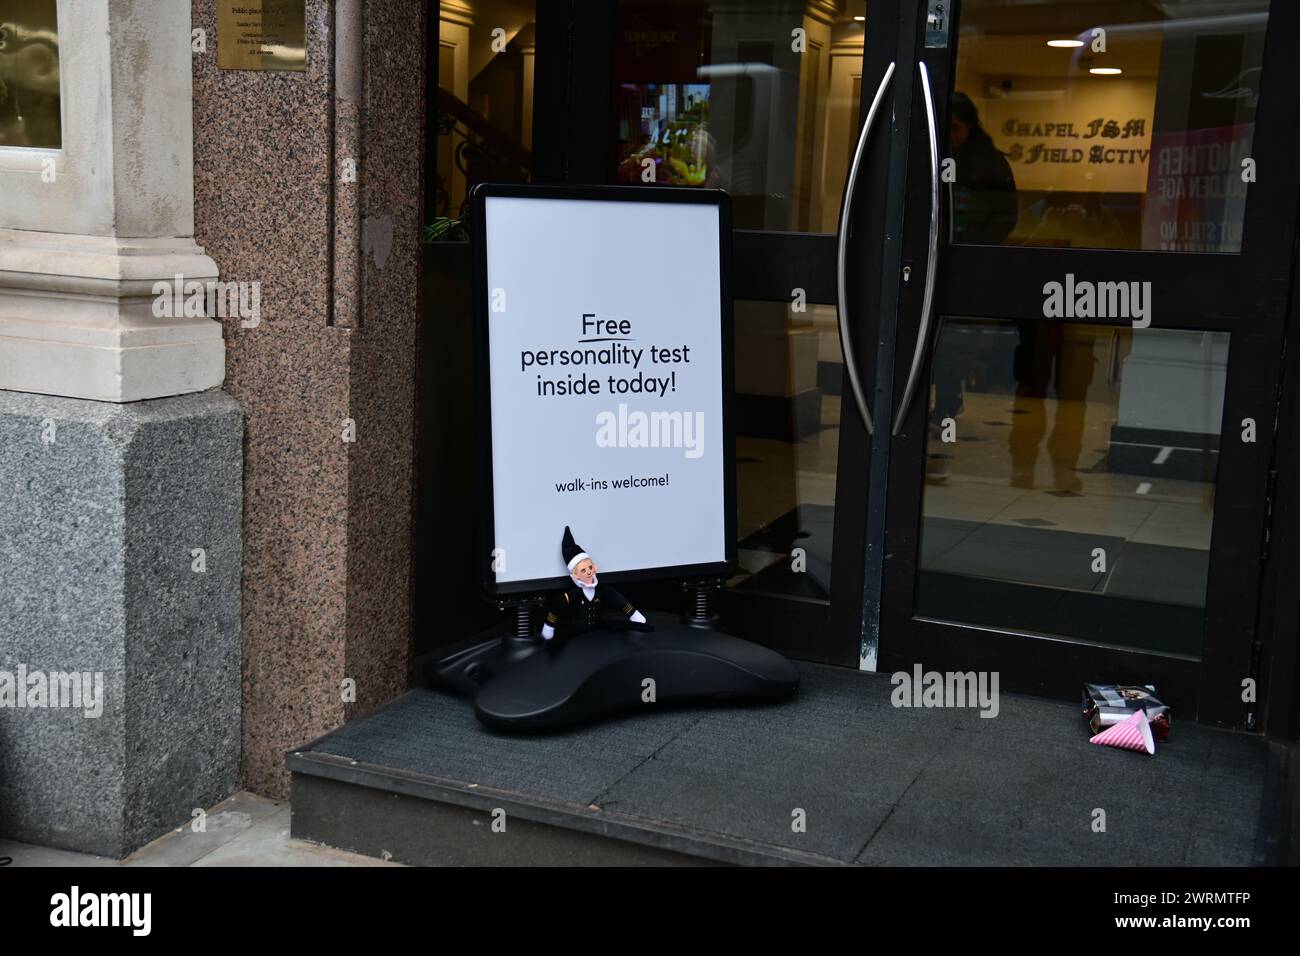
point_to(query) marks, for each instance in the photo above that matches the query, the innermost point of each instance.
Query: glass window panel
(1104, 125)
(485, 98)
(717, 96)
(788, 374)
(1070, 474)
(29, 74)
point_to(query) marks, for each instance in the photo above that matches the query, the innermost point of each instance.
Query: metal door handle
(846, 343)
(931, 257)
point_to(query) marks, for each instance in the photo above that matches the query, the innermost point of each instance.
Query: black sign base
(525, 685)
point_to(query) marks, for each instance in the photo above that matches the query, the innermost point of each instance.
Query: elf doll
(589, 605)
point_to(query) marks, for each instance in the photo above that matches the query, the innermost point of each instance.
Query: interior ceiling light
(1106, 70)
(1065, 43)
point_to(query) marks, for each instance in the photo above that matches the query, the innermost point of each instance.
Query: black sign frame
(522, 591)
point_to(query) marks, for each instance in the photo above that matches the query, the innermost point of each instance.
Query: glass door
(1100, 208)
(767, 102)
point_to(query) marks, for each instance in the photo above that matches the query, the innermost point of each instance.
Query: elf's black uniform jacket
(571, 613)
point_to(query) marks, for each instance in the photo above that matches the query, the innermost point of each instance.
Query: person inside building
(983, 206)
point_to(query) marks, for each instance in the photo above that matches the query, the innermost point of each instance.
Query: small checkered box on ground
(1105, 705)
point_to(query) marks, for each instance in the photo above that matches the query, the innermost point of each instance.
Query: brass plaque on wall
(262, 34)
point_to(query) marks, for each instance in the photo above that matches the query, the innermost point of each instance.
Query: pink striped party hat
(1131, 734)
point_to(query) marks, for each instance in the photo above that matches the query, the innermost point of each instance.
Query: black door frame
(1246, 295)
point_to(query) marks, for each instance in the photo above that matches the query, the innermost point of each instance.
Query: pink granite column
(327, 522)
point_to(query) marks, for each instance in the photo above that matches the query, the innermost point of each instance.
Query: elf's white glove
(638, 617)
(548, 632)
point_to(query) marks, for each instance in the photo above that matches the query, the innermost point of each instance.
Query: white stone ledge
(77, 318)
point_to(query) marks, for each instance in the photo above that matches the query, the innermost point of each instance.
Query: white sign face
(604, 327)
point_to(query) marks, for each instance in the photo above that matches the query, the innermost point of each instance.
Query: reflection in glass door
(1100, 125)
(1069, 481)
(788, 372)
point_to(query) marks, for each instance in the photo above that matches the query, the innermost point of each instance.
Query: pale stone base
(77, 318)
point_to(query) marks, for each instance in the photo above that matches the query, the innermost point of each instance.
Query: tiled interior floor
(971, 480)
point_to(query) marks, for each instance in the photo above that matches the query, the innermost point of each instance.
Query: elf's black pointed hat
(569, 548)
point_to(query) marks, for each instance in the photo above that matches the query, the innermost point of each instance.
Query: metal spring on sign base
(700, 609)
(524, 621)
(703, 602)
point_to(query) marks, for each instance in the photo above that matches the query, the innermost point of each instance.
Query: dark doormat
(874, 783)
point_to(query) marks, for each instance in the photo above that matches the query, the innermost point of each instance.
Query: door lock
(907, 275)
